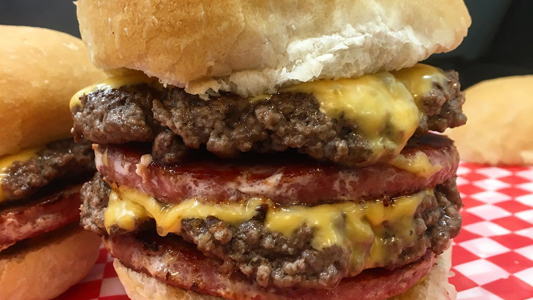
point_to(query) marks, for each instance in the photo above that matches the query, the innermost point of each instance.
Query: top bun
(40, 70)
(499, 125)
(253, 47)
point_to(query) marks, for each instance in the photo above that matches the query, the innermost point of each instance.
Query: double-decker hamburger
(273, 149)
(43, 250)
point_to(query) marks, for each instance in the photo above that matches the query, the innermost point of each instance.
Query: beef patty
(58, 161)
(272, 259)
(175, 121)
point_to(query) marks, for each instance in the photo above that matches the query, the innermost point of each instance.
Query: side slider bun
(40, 70)
(498, 131)
(46, 266)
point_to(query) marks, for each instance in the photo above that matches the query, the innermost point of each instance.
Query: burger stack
(273, 150)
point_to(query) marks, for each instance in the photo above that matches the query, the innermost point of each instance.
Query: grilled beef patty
(58, 161)
(175, 121)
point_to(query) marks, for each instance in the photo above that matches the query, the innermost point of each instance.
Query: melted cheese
(361, 228)
(115, 83)
(383, 109)
(126, 207)
(420, 79)
(386, 107)
(8, 160)
(418, 164)
(355, 226)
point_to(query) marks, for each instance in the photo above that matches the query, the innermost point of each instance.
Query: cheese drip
(382, 107)
(115, 83)
(420, 79)
(127, 208)
(8, 160)
(418, 164)
(361, 228)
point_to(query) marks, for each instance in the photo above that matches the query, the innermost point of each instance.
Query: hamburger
(273, 149)
(43, 251)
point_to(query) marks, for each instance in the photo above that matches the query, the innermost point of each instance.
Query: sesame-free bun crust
(140, 286)
(45, 267)
(436, 285)
(253, 47)
(40, 69)
(499, 127)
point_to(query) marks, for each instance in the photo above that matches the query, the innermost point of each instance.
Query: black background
(507, 50)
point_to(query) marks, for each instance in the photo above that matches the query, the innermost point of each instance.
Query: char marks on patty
(274, 260)
(228, 125)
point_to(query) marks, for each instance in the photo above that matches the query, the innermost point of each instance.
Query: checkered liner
(492, 257)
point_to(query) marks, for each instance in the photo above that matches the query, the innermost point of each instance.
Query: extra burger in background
(43, 251)
(502, 106)
(273, 149)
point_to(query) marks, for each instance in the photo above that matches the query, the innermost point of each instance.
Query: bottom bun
(436, 285)
(140, 286)
(46, 266)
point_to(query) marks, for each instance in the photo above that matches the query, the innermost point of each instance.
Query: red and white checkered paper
(492, 257)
